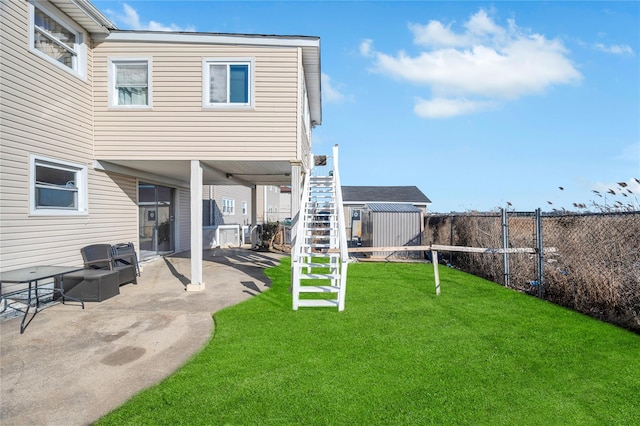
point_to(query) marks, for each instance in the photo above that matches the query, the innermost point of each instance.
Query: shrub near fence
(596, 269)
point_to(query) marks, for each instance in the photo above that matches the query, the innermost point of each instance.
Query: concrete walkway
(71, 366)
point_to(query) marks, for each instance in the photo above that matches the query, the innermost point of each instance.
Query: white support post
(296, 221)
(296, 198)
(254, 216)
(196, 227)
(434, 259)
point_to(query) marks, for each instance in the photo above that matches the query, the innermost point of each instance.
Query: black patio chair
(100, 256)
(125, 254)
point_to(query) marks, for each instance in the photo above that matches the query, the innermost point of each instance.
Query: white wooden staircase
(319, 254)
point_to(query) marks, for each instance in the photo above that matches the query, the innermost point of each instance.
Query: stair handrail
(342, 230)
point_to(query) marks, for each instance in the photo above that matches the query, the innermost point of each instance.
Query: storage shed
(392, 225)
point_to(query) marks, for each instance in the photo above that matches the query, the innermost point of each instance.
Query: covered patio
(72, 366)
(189, 176)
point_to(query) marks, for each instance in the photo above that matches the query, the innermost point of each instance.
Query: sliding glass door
(156, 223)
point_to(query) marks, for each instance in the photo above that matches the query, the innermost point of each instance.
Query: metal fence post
(540, 253)
(505, 245)
(451, 217)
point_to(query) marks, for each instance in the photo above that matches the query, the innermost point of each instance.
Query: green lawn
(399, 355)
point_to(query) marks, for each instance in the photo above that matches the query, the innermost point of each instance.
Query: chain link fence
(595, 268)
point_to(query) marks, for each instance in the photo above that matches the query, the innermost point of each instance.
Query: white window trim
(244, 208)
(81, 183)
(80, 48)
(232, 206)
(111, 80)
(206, 80)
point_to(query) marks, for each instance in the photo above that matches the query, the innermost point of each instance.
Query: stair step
(316, 265)
(321, 255)
(319, 276)
(319, 289)
(317, 303)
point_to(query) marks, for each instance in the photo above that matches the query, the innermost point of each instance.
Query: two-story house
(110, 136)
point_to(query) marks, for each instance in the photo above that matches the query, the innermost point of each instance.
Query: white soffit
(86, 15)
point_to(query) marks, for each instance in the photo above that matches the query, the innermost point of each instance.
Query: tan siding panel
(48, 111)
(178, 126)
(112, 218)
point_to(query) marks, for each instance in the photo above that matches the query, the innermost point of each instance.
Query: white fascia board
(98, 17)
(91, 18)
(212, 38)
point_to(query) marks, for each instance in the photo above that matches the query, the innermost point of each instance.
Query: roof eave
(87, 15)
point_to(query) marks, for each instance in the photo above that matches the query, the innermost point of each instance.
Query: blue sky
(481, 105)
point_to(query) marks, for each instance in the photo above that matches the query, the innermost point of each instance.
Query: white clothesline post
(434, 260)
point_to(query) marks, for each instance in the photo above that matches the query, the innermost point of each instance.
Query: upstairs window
(129, 83)
(57, 187)
(227, 83)
(57, 39)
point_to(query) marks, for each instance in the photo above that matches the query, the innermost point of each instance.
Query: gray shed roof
(388, 194)
(393, 208)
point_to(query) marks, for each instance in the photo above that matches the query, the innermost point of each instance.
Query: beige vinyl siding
(58, 240)
(47, 111)
(267, 195)
(238, 193)
(183, 220)
(178, 127)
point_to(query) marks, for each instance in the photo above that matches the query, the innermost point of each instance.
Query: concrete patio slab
(72, 366)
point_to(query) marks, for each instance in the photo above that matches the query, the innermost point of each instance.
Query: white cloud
(435, 34)
(448, 107)
(365, 47)
(615, 49)
(630, 153)
(479, 66)
(481, 24)
(130, 19)
(631, 187)
(330, 92)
